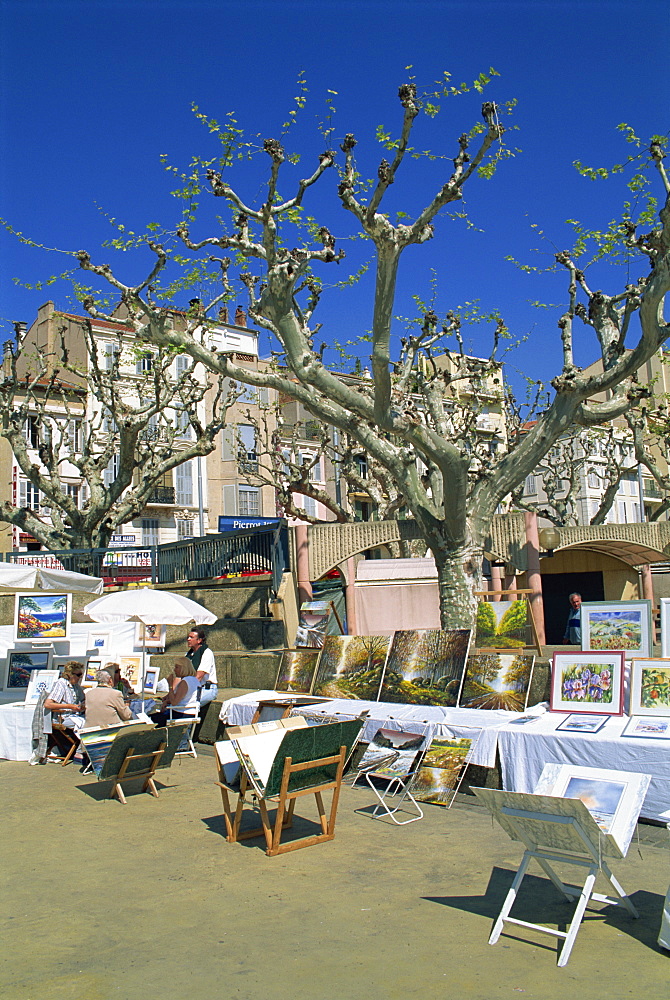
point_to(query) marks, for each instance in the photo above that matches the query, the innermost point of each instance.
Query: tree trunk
(459, 575)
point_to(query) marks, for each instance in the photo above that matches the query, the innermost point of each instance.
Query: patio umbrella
(152, 607)
(15, 577)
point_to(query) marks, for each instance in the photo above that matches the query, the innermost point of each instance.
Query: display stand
(555, 830)
(488, 595)
(396, 786)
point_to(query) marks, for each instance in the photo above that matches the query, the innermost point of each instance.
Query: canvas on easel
(506, 623)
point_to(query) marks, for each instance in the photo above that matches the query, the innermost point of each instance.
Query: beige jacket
(105, 707)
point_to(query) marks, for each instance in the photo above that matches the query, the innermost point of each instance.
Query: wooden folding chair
(70, 737)
(310, 761)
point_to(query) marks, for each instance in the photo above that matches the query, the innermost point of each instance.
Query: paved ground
(148, 900)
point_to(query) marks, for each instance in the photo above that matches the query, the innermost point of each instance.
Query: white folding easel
(555, 830)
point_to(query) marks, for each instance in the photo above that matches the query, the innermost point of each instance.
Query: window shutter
(230, 501)
(264, 397)
(229, 444)
(184, 484)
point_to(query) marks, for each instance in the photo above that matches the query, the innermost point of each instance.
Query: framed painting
(42, 617)
(40, 680)
(665, 626)
(151, 636)
(614, 798)
(426, 666)
(649, 687)
(21, 663)
(617, 625)
(497, 680)
(131, 669)
(590, 682)
(438, 776)
(648, 727)
(502, 624)
(90, 673)
(296, 670)
(151, 675)
(99, 642)
(351, 666)
(582, 723)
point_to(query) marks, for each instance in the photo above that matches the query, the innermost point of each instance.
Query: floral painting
(588, 682)
(501, 624)
(497, 680)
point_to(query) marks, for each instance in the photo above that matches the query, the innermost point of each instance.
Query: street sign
(227, 523)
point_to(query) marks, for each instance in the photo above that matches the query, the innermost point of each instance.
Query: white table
(524, 750)
(428, 720)
(16, 731)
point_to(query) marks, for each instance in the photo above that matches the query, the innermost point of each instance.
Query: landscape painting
(296, 670)
(42, 617)
(437, 777)
(587, 682)
(502, 624)
(497, 680)
(648, 727)
(622, 625)
(391, 753)
(22, 664)
(601, 798)
(351, 666)
(650, 687)
(426, 666)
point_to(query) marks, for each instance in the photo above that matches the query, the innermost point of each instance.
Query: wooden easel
(489, 594)
(147, 772)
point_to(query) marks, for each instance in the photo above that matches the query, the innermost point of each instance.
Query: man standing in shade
(202, 659)
(573, 628)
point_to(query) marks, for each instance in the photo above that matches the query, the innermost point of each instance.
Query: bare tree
(95, 441)
(400, 415)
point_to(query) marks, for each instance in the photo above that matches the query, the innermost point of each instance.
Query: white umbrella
(15, 577)
(153, 607)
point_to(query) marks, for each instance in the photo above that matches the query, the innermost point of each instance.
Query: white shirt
(208, 666)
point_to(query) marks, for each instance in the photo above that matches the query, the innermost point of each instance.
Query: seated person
(67, 697)
(203, 660)
(119, 683)
(182, 697)
(104, 704)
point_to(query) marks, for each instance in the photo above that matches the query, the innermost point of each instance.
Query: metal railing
(248, 551)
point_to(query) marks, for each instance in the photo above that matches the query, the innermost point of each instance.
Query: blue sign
(239, 523)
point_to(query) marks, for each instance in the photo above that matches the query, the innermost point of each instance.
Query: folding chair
(186, 747)
(392, 761)
(71, 739)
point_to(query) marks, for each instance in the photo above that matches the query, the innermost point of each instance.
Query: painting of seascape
(42, 617)
(426, 666)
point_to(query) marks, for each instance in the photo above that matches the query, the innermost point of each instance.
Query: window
(182, 424)
(248, 501)
(184, 484)
(29, 496)
(593, 480)
(530, 485)
(110, 355)
(144, 363)
(623, 518)
(309, 506)
(149, 531)
(31, 432)
(76, 492)
(316, 473)
(182, 364)
(361, 465)
(111, 472)
(74, 435)
(184, 528)
(247, 457)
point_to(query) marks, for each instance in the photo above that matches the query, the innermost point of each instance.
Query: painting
(648, 727)
(497, 680)
(665, 626)
(391, 753)
(150, 636)
(502, 624)
(42, 617)
(351, 666)
(21, 664)
(437, 777)
(151, 675)
(614, 798)
(589, 682)
(40, 680)
(90, 673)
(99, 642)
(617, 625)
(314, 623)
(131, 669)
(650, 687)
(296, 670)
(582, 723)
(426, 666)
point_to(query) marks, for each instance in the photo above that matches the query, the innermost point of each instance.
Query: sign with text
(227, 523)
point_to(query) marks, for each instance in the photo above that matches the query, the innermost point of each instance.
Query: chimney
(223, 314)
(19, 331)
(240, 317)
(195, 307)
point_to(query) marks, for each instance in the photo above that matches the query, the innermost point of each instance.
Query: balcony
(162, 495)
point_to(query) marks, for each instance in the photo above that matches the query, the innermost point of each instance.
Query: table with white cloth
(524, 750)
(431, 721)
(16, 738)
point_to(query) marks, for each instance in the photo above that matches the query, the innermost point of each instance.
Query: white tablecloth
(429, 720)
(524, 750)
(16, 731)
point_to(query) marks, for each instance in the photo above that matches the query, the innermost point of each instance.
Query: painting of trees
(296, 670)
(351, 666)
(501, 624)
(426, 666)
(497, 681)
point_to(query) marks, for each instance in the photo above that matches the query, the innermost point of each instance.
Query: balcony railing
(162, 494)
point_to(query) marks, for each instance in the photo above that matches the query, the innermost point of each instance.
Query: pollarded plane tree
(95, 439)
(401, 414)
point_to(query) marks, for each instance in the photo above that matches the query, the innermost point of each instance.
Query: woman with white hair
(104, 704)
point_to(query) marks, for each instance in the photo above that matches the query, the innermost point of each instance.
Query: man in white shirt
(202, 659)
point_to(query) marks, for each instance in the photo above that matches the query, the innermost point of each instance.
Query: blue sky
(93, 93)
